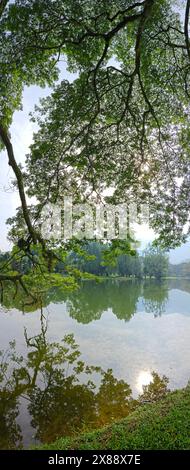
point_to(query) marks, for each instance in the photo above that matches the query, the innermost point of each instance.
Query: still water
(77, 364)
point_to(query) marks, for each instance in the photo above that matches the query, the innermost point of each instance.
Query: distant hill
(180, 269)
(181, 254)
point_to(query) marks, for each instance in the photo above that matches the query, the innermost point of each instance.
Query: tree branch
(19, 177)
(186, 27)
(3, 4)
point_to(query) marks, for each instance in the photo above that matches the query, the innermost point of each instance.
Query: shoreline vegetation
(152, 263)
(133, 278)
(162, 425)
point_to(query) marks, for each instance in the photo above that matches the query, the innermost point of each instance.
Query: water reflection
(89, 302)
(145, 378)
(49, 391)
(10, 431)
(63, 394)
(92, 300)
(155, 297)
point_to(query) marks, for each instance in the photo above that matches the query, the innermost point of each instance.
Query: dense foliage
(153, 262)
(123, 122)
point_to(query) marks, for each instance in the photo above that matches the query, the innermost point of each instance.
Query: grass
(158, 426)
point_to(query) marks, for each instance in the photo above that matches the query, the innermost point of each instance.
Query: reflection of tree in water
(85, 304)
(10, 432)
(13, 296)
(93, 299)
(156, 390)
(60, 390)
(180, 284)
(125, 299)
(59, 403)
(155, 297)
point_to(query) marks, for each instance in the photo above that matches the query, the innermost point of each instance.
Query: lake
(77, 362)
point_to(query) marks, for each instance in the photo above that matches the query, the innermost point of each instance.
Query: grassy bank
(161, 425)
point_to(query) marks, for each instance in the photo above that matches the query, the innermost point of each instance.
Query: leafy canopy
(124, 119)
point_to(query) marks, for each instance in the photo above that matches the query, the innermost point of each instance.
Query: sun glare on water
(144, 378)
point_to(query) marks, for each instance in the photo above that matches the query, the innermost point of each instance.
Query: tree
(124, 119)
(113, 122)
(155, 262)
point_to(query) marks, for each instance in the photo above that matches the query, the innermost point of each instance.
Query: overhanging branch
(19, 177)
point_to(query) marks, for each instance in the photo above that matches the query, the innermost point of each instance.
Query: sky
(21, 134)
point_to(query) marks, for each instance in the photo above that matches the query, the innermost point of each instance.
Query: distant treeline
(152, 263)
